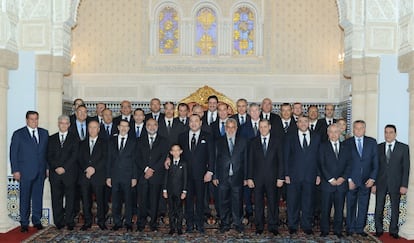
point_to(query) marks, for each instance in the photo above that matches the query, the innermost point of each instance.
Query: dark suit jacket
(175, 179)
(66, 157)
(205, 117)
(238, 159)
(74, 129)
(236, 117)
(292, 126)
(216, 129)
(365, 167)
(97, 160)
(322, 128)
(172, 136)
(122, 164)
(27, 157)
(276, 124)
(301, 165)
(153, 158)
(185, 126)
(132, 132)
(117, 119)
(394, 174)
(104, 134)
(332, 167)
(247, 130)
(149, 115)
(266, 168)
(201, 159)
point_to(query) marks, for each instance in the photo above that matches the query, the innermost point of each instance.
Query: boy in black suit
(175, 189)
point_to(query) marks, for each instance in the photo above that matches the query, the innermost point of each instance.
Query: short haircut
(122, 120)
(28, 113)
(81, 106)
(391, 126)
(63, 117)
(139, 109)
(78, 99)
(223, 104)
(265, 120)
(195, 115)
(254, 105)
(176, 144)
(196, 106)
(155, 99)
(297, 103)
(314, 106)
(332, 126)
(241, 100)
(286, 104)
(231, 120)
(359, 121)
(183, 104)
(168, 103)
(212, 97)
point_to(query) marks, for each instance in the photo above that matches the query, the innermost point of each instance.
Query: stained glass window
(206, 32)
(168, 31)
(243, 32)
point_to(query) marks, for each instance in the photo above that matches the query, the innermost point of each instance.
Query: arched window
(169, 34)
(206, 32)
(243, 32)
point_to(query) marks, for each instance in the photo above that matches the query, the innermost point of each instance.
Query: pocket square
(203, 141)
(180, 167)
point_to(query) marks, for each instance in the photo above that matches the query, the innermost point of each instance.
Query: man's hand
(165, 195)
(133, 182)
(149, 173)
(215, 182)
(60, 170)
(183, 195)
(208, 176)
(167, 163)
(16, 176)
(287, 179)
(374, 189)
(333, 182)
(369, 183)
(89, 172)
(109, 182)
(339, 181)
(279, 183)
(318, 180)
(403, 190)
(351, 185)
(245, 183)
(250, 183)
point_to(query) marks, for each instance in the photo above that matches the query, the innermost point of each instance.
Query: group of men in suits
(252, 154)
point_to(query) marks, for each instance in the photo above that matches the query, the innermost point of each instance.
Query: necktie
(137, 132)
(169, 127)
(107, 131)
(388, 154)
(336, 150)
(91, 146)
(330, 122)
(151, 142)
(286, 127)
(231, 146)
(304, 142)
(264, 145)
(242, 120)
(267, 117)
(211, 119)
(255, 128)
(82, 132)
(122, 144)
(100, 120)
(62, 140)
(155, 117)
(193, 142)
(176, 162)
(183, 121)
(34, 137)
(126, 118)
(312, 127)
(222, 130)
(359, 147)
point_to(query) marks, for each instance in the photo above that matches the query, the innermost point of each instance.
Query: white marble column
(406, 64)
(8, 60)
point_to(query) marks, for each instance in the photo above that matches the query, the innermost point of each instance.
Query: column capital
(8, 59)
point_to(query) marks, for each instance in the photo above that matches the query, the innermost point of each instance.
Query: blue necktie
(359, 147)
(264, 146)
(222, 130)
(34, 137)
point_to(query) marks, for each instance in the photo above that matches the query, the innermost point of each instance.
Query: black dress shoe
(179, 231)
(363, 234)
(292, 231)
(324, 234)
(154, 228)
(348, 233)
(39, 226)
(239, 229)
(171, 232)
(308, 232)
(259, 232)
(24, 229)
(274, 232)
(395, 235)
(140, 228)
(129, 227)
(224, 229)
(201, 230)
(339, 235)
(102, 226)
(378, 234)
(85, 227)
(59, 227)
(69, 227)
